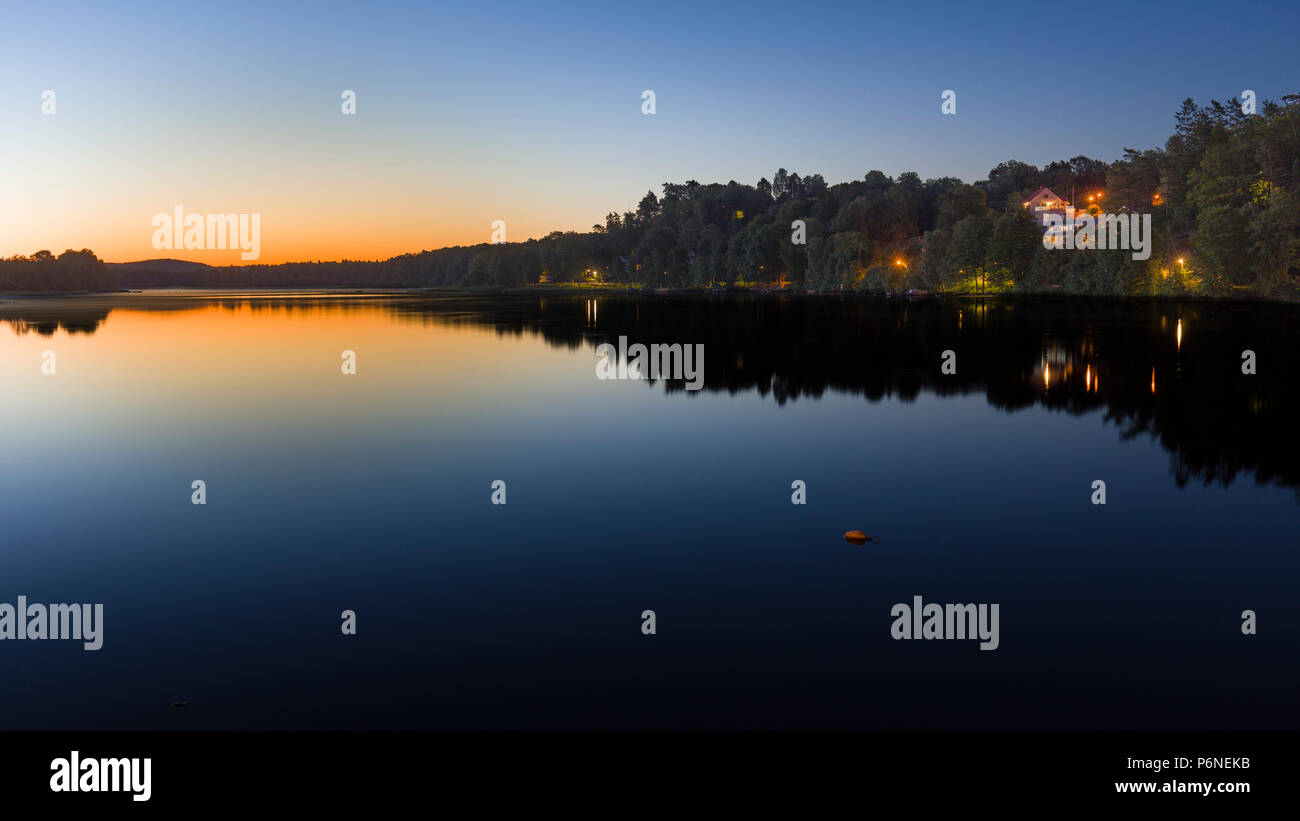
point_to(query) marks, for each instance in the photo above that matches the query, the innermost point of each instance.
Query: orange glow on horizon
(297, 244)
(303, 224)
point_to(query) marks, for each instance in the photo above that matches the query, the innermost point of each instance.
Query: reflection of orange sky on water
(277, 359)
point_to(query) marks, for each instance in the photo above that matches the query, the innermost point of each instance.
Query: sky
(531, 113)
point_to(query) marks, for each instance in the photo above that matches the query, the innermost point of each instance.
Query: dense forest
(1223, 194)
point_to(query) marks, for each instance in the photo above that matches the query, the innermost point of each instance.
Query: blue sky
(530, 112)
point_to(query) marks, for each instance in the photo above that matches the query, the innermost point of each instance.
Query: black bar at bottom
(613, 772)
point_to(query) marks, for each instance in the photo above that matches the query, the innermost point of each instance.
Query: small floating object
(179, 703)
(858, 537)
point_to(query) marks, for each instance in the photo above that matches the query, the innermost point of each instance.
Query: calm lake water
(371, 492)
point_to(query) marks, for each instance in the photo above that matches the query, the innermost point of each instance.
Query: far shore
(16, 297)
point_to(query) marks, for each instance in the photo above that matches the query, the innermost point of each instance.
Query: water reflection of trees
(48, 320)
(1168, 370)
(1164, 369)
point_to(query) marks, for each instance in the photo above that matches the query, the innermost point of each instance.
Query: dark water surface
(370, 492)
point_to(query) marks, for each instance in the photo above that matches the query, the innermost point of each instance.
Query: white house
(1045, 201)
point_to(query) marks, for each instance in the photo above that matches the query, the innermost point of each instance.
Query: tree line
(1223, 193)
(69, 271)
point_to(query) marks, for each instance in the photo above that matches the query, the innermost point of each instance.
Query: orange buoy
(856, 537)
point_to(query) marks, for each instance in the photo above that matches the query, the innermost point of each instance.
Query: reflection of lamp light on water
(1180, 334)
(1153, 380)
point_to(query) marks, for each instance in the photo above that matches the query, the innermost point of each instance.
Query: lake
(372, 492)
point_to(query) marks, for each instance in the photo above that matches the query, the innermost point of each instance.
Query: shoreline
(18, 297)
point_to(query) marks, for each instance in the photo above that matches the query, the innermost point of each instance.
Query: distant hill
(154, 273)
(160, 266)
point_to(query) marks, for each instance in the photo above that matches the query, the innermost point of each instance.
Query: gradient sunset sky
(531, 112)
